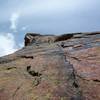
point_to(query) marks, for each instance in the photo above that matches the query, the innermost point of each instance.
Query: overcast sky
(18, 17)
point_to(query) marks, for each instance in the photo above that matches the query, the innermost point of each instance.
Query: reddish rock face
(65, 67)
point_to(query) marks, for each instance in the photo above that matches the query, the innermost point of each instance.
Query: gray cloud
(53, 15)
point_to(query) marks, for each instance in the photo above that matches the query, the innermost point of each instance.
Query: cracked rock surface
(65, 67)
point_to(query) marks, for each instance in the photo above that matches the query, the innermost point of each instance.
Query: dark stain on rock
(64, 37)
(11, 68)
(75, 85)
(96, 80)
(32, 72)
(27, 57)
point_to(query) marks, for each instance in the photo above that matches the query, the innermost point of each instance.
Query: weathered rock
(37, 39)
(65, 67)
(29, 38)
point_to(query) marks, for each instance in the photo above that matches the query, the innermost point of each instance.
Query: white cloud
(14, 20)
(7, 44)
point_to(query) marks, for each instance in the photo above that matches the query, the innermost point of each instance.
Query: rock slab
(65, 67)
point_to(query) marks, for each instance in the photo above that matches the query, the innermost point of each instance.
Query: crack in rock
(17, 89)
(36, 75)
(72, 78)
(9, 68)
(94, 80)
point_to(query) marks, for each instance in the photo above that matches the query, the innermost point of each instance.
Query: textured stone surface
(65, 67)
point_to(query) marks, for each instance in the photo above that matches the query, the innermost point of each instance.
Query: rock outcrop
(49, 67)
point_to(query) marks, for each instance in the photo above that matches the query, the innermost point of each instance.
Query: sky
(17, 17)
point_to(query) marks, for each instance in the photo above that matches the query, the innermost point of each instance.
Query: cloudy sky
(18, 17)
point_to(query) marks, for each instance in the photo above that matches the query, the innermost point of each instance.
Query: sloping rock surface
(65, 67)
